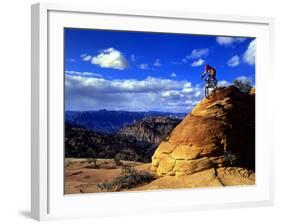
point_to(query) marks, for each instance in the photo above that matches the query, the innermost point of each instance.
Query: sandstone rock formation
(219, 132)
(212, 177)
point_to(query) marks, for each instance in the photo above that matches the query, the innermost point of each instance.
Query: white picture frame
(48, 201)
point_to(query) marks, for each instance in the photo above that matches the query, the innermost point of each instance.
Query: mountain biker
(211, 72)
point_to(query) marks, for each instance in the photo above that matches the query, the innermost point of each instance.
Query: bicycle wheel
(207, 92)
(215, 84)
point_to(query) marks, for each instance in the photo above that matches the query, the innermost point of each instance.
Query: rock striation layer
(219, 132)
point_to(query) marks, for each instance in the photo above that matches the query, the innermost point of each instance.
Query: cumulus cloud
(172, 93)
(110, 58)
(198, 53)
(157, 63)
(77, 73)
(250, 54)
(125, 85)
(244, 79)
(197, 94)
(233, 61)
(228, 41)
(197, 63)
(92, 93)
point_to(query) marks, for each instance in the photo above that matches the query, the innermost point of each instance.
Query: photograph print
(155, 111)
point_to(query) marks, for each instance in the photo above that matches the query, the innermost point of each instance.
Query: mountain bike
(210, 83)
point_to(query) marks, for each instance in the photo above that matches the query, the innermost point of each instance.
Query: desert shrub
(126, 169)
(230, 159)
(92, 163)
(104, 186)
(117, 160)
(89, 160)
(129, 178)
(243, 85)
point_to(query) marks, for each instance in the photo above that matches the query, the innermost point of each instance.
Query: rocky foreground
(82, 177)
(217, 134)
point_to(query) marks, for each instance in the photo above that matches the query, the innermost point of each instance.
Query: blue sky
(138, 71)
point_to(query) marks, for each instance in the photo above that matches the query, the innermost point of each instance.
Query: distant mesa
(151, 129)
(219, 132)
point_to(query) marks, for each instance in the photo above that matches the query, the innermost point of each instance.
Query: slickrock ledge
(219, 132)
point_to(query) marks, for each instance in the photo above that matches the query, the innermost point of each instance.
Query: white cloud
(244, 79)
(250, 54)
(172, 93)
(86, 58)
(77, 73)
(143, 66)
(188, 90)
(110, 58)
(197, 63)
(223, 83)
(227, 41)
(126, 85)
(157, 63)
(173, 75)
(233, 61)
(91, 93)
(198, 93)
(198, 53)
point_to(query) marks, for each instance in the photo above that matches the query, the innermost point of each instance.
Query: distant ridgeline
(135, 142)
(105, 121)
(84, 143)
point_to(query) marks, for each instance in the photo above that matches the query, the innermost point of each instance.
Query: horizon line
(135, 111)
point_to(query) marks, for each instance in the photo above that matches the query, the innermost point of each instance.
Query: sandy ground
(82, 177)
